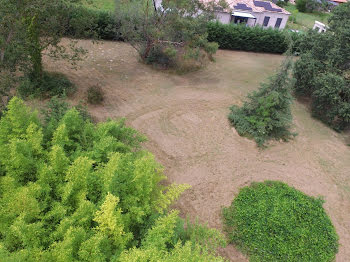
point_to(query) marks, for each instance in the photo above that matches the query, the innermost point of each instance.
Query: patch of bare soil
(185, 120)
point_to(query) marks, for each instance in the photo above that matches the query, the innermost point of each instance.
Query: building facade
(253, 13)
(249, 12)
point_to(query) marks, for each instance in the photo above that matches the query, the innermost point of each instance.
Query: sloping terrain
(185, 120)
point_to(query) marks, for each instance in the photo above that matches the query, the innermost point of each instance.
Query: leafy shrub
(321, 73)
(309, 6)
(256, 39)
(266, 114)
(301, 5)
(271, 221)
(305, 71)
(331, 100)
(51, 84)
(85, 22)
(85, 193)
(55, 110)
(162, 56)
(95, 95)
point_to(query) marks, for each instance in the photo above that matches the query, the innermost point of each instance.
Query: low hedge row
(256, 39)
(85, 22)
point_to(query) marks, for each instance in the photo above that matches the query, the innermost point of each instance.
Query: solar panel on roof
(266, 6)
(243, 7)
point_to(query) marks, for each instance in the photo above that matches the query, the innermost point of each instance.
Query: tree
(29, 28)
(322, 72)
(266, 114)
(176, 28)
(86, 192)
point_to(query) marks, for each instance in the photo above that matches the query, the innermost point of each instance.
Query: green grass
(271, 221)
(304, 21)
(107, 5)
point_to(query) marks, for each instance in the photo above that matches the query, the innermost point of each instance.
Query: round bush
(271, 221)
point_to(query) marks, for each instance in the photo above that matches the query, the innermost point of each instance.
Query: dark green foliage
(174, 35)
(271, 221)
(301, 5)
(305, 71)
(322, 72)
(256, 39)
(85, 22)
(75, 191)
(331, 100)
(266, 114)
(95, 95)
(51, 84)
(309, 6)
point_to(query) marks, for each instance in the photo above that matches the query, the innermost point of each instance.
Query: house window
(278, 22)
(266, 20)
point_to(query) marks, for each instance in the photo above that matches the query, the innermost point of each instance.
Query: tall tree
(27, 29)
(171, 28)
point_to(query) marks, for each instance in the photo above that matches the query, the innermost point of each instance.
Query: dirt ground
(185, 120)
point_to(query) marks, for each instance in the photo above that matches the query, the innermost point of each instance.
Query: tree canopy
(322, 72)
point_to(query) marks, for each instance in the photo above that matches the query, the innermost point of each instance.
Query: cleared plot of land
(185, 119)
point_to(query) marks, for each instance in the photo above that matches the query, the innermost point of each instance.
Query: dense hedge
(85, 22)
(271, 221)
(245, 38)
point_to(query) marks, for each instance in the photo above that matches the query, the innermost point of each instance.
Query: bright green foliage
(83, 192)
(154, 246)
(266, 115)
(271, 221)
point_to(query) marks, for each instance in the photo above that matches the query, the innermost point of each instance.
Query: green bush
(51, 84)
(322, 72)
(86, 192)
(85, 22)
(271, 221)
(256, 39)
(305, 71)
(301, 5)
(331, 100)
(266, 114)
(95, 95)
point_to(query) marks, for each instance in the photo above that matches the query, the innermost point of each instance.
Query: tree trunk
(2, 51)
(147, 50)
(36, 73)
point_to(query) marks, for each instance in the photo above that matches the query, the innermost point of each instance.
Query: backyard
(304, 21)
(185, 120)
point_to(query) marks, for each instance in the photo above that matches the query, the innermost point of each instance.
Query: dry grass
(185, 119)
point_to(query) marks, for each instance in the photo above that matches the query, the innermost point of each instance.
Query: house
(249, 12)
(252, 13)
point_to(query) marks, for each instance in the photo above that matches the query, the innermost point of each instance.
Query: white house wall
(225, 18)
(273, 18)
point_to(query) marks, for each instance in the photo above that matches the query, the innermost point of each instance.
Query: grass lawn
(304, 21)
(107, 5)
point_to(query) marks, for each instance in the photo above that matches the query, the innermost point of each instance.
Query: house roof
(256, 6)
